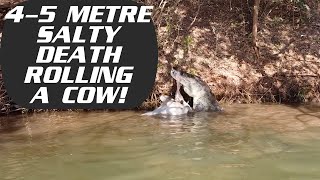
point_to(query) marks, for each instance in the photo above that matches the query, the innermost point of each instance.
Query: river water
(244, 142)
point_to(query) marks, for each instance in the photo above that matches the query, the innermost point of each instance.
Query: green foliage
(169, 27)
(193, 71)
(301, 95)
(187, 41)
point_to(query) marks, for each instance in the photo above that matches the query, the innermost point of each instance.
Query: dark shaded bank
(213, 39)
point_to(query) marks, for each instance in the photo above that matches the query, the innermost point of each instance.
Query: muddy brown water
(244, 142)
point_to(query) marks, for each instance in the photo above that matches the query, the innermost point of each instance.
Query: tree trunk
(255, 27)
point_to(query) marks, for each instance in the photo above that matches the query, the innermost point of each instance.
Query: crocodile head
(203, 99)
(177, 75)
(191, 84)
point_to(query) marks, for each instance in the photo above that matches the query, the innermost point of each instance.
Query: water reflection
(244, 142)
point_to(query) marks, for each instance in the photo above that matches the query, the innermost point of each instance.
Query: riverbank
(211, 39)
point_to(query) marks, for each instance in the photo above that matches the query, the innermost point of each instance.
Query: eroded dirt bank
(212, 39)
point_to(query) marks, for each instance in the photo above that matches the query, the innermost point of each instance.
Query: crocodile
(203, 99)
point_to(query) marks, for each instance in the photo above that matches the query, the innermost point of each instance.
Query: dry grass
(211, 39)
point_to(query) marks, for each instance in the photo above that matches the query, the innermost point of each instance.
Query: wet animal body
(170, 107)
(203, 99)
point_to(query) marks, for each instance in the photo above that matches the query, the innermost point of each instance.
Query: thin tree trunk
(255, 26)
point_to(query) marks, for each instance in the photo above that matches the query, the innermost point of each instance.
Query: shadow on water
(307, 113)
(11, 124)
